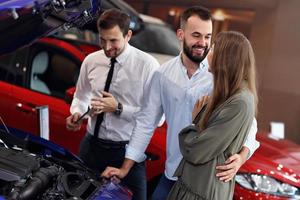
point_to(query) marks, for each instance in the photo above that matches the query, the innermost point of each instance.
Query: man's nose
(201, 41)
(106, 46)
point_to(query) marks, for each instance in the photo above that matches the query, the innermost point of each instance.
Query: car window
(13, 67)
(5, 65)
(53, 71)
(156, 38)
(62, 75)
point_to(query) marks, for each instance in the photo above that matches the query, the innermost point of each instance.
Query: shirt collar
(124, 55)
(202, 66)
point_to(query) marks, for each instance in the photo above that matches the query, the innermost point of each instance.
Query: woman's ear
(180, 34)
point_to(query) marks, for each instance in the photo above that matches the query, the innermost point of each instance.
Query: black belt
(109, 144)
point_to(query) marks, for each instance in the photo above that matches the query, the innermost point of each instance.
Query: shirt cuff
(128, 112)
(133, 154)
(252, 148)
(77, 107)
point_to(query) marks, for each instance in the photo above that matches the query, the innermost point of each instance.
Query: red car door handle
(27, 108)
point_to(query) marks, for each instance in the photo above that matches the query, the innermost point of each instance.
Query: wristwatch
(119, 109)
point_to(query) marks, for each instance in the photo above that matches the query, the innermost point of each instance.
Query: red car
(273, 172)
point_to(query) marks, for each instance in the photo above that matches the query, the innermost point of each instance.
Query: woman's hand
(199, 105)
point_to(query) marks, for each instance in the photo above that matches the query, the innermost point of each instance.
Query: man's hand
(119, 173)
(106, 103)
(112, 171)
(72, 122)
(232, 165)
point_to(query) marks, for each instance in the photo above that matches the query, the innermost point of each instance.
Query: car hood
(28, 164)
(23, 21)
(277, 158)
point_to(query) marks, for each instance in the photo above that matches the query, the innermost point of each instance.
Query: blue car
(34, 168)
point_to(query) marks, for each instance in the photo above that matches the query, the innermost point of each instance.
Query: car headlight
(267, 184)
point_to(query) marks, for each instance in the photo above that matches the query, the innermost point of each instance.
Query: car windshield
(156, 38)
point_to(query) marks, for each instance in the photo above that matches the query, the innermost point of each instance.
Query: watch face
(119, 109)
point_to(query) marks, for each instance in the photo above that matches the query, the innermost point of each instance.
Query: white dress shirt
(173, 93)
(132, 74)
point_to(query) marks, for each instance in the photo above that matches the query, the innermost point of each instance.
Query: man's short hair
(200, 11)
(113, 17)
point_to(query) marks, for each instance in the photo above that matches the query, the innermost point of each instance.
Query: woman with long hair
(221, 126)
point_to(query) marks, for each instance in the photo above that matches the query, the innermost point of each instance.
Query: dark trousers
(98, 156)
(163, 188)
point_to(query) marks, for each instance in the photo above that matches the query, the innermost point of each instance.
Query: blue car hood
(23, 21)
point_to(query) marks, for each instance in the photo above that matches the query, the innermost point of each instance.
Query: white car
(156, 38)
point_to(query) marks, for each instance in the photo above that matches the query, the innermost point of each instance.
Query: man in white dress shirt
(130, 71)
(175, 88)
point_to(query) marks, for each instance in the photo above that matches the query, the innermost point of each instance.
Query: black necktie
(106, 89)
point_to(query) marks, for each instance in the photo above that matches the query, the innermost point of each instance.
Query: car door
(13, 72)
(52, 66)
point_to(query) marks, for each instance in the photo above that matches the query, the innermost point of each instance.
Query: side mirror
(69, 95)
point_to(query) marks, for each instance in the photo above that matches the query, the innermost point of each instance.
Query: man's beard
(188, 52)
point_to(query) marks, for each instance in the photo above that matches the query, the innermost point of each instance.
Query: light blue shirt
(174, 94)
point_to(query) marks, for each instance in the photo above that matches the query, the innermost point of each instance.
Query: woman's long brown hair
(233, 64)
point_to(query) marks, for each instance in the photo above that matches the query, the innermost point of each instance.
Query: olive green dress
(202, 151)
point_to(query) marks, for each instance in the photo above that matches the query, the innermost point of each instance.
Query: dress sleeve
(223, 127)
